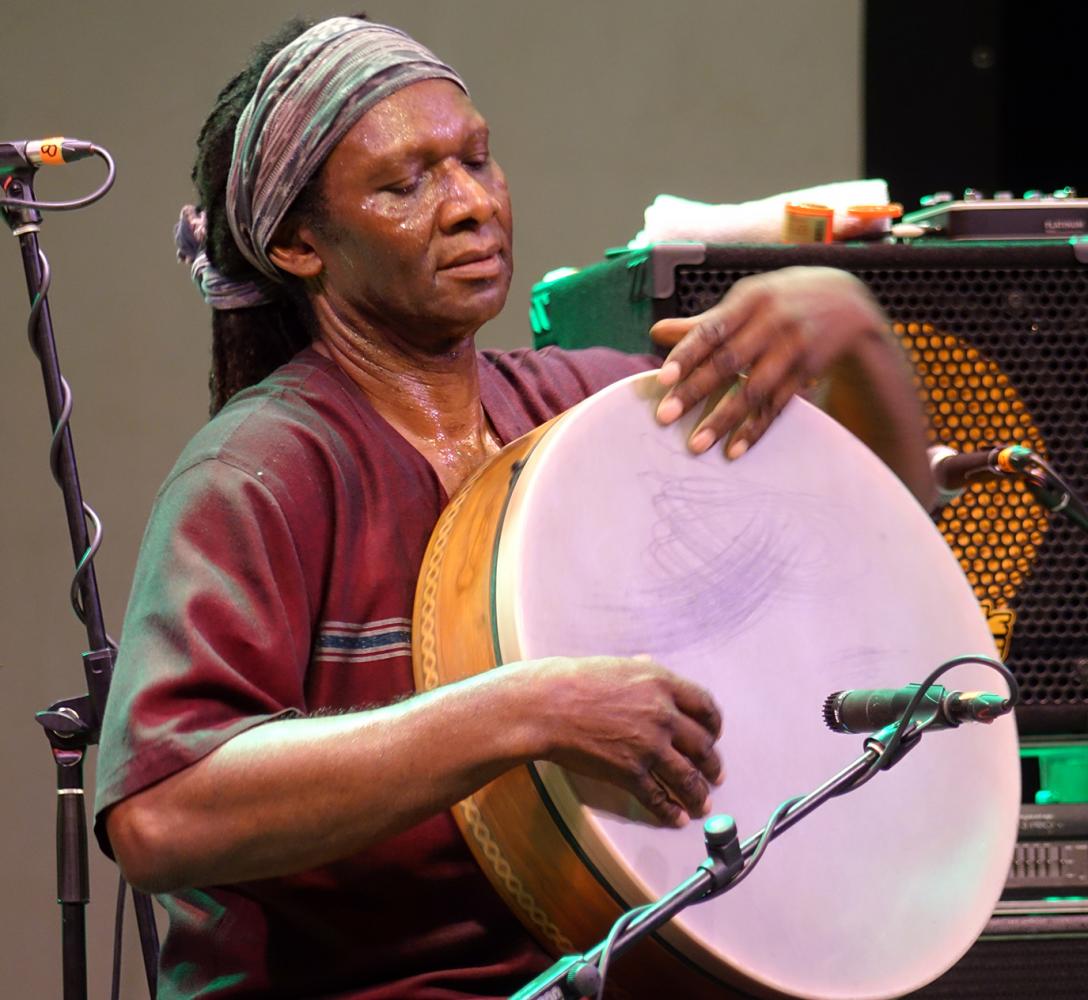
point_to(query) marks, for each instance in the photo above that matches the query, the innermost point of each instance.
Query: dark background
(976, 93)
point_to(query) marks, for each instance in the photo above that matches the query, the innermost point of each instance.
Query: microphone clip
(890, 751)
(21, 218)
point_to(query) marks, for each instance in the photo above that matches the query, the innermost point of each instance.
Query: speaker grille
(1001, 355)
(1031, 968)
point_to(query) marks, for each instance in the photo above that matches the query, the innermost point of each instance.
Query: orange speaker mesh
(995, 528)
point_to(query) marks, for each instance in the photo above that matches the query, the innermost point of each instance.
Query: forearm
(869, 390)
(293, 794)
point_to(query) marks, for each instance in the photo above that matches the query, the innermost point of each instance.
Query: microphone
(33, 153)
(953, 470)
(864, 711)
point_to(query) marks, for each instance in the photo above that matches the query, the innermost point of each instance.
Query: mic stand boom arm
(575, 976)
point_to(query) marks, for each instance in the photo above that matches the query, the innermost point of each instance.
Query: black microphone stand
(575, 976)
(1052, 492)
(72, 724)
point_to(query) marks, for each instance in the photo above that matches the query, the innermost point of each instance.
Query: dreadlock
(247, 344)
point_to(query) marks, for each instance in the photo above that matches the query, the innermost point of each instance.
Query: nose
(468, 198)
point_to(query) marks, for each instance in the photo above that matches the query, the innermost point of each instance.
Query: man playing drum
(262, 768)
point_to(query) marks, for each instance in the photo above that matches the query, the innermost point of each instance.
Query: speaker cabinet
(998, 335)
(1021, 958)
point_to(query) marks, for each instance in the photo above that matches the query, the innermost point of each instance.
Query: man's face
(417, 231)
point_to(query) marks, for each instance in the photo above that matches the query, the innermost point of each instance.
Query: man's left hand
(770, 336)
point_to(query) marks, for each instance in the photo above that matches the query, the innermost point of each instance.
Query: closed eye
(403, 187)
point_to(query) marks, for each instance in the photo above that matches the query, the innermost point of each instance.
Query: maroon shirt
(276, 579)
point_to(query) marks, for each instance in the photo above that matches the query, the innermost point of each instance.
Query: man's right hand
(631, 722)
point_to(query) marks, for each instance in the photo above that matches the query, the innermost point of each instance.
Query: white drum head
(801, 569)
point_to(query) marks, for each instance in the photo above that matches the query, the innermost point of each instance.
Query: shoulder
(589, 369)
(301, 422)
(550, 380)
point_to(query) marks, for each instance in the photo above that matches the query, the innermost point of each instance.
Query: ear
(295, 253)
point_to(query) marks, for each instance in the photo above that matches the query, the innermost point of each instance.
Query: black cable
(56, 445)
(625, 920)
(68, 206)
(905, 728)
(768, 832)
(1045, 481)
(1028, 464)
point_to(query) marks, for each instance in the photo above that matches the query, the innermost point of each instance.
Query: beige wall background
(594, 107)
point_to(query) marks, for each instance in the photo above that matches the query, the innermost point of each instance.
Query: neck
(430, 395)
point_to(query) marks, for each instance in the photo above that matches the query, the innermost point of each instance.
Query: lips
(478, 262)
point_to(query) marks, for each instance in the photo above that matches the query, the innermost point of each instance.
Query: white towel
(673, 218)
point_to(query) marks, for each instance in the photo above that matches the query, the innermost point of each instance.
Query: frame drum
(803, 568)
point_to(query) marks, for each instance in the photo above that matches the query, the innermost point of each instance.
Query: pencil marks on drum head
(725, 551)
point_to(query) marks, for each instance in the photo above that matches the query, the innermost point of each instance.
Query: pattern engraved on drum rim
(468, 809)
(428, 645)
(502, 868)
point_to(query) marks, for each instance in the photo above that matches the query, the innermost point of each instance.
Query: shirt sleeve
(548, 381)
(217, 635)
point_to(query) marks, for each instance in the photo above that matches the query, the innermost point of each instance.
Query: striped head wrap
(309, 95)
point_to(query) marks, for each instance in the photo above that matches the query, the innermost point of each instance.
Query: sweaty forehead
(416, 118)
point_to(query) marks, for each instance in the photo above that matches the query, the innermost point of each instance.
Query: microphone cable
(905, 728)
(65, 206)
